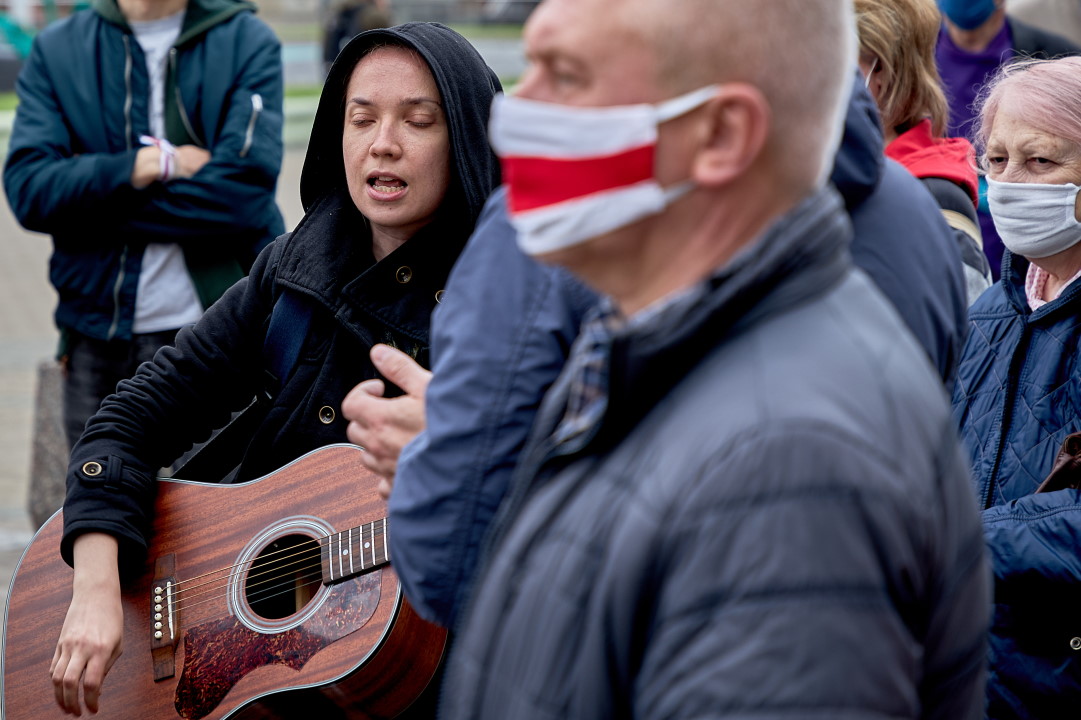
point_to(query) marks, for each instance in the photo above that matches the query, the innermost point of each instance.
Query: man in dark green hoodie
(147, 142)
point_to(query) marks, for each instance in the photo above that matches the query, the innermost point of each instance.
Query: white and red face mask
(574, 173)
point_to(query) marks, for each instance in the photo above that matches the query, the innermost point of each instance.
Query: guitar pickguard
(217, 655)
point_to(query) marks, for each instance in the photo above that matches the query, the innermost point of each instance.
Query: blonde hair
(902, 35)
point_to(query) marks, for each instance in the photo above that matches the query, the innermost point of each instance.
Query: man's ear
(737, 124)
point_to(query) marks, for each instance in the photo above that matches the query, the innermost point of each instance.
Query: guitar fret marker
(367, 544)
(360, 548)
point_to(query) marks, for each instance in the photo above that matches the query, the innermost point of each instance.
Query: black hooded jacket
(222, 362)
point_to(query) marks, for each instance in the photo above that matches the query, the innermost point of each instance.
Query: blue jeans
(94, 367)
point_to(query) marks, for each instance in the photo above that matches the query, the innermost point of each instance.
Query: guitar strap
(218, 459)
(285, 336)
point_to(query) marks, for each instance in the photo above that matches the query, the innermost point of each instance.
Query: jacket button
(1076, 643)
(439, 296)
(326, 415)
(92, 469)
(404, 274)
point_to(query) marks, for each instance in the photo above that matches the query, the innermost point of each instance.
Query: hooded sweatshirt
(83, 104)
(222, 362)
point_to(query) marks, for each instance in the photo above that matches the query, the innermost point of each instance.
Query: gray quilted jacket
(771, 520)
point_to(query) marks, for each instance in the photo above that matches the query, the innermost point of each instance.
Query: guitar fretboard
(355, 551)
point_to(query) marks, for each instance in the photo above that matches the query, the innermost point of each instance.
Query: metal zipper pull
(256, 109)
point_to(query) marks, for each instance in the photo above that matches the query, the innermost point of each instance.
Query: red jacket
(926, 156)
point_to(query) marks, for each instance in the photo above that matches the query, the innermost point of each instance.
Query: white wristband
(167, 157)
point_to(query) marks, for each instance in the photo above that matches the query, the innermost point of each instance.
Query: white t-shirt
(166, 298)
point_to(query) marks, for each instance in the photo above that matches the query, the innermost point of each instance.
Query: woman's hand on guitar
(90, 641)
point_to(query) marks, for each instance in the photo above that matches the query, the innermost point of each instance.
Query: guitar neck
(354, 551)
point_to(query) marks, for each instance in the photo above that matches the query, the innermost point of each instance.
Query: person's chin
(385, 212)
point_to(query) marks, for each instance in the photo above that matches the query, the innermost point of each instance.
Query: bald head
(799, 53)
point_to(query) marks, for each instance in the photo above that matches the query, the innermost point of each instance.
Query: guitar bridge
(164, 617)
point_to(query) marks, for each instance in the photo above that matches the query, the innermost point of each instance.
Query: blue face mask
(967, 14)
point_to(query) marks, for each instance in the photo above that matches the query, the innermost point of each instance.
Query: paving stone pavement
(27, 337)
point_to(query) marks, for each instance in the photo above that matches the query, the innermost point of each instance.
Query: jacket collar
(1014, 272)
(802, 256)
(328, 257)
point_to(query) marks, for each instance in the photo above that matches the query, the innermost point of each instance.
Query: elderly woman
(1018, 392)
(396, 173)
(897, 57)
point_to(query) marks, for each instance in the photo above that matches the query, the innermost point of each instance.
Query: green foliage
(302, 91)
(488, 32)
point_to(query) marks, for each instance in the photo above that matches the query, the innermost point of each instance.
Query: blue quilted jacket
(1017, 396)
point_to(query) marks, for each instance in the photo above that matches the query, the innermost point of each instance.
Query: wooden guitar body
(266, 599)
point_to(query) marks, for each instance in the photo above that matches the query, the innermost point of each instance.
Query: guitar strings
(289, 585)
(275, 572)
(262, 560)
(186, 598)
(376, 533)
(288, 582)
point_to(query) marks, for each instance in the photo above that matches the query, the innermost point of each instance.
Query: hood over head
(467, 86)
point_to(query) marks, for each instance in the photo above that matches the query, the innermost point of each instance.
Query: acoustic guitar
(267, 599)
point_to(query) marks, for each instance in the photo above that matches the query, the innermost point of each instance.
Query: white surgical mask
(574, 173)
(1035, 220)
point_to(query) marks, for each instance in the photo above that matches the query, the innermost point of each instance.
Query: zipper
(120, 273)
(256, 109)
(180, 102)
(127, 89)
(1013, 387)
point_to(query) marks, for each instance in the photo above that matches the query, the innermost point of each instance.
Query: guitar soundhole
(284, 577)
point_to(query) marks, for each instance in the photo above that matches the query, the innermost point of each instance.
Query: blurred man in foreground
(744, 492)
